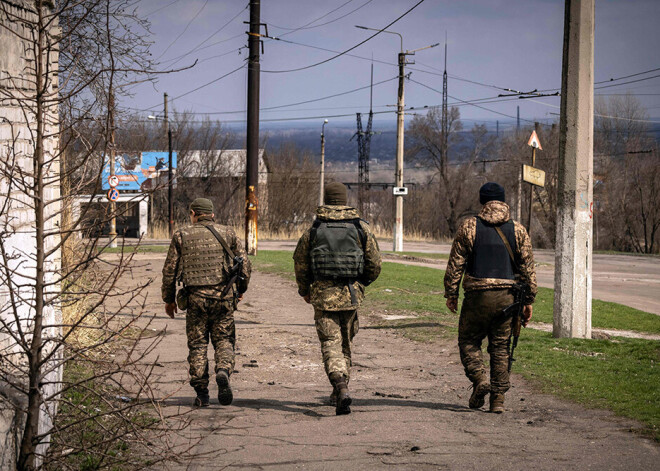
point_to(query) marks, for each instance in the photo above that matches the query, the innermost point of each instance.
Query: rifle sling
(508, 248)
(231, 254)
(221, 240)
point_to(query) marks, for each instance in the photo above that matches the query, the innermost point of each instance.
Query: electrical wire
(468, 103)
(327, 22)
(303, 102)
(198, 88)
(197, 48)
(626, 83)
(293, 30)
(628, 76)
(349, 49)
(184, 29)
(161, 8)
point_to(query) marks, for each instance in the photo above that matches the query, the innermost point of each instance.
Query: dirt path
(409, 402)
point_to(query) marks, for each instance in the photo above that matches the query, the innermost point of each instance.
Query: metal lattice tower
(364, 149)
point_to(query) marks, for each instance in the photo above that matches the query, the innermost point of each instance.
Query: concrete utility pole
(573, 256)
(252, 144)
(113, 206)
(170, 199)
(322, 177)
(398, 218)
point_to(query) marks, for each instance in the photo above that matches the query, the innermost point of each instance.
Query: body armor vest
(489, 257)
(337, 249)
(203, 258)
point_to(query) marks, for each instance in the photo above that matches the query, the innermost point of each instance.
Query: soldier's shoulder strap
(312, 232)
(361, 233)
(222, 241)
(508, 247)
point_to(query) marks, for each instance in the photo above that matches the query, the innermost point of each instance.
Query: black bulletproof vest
(489, 257)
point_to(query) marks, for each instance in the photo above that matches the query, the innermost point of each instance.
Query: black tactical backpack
(337, 249)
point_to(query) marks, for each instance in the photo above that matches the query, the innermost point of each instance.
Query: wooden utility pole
(322, 177)
(170, 181)
(252, 144)
(573, 253)
(111, 150)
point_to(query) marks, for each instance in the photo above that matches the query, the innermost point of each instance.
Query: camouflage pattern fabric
(209, 317)
(336, 330)
(481, 317)
(172, 269)
(329, 295)
(494, 212)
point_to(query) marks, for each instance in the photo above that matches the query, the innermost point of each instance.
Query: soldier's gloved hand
(170, 309)
(527, 314)
(452, 304)
(307, 299)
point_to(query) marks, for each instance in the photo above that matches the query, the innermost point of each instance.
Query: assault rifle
(515, 310)
(234, 276)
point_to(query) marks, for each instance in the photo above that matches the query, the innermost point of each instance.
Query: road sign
(534, 141)
(533, 175)
(399, 191)
(113, 194)
(113, 181)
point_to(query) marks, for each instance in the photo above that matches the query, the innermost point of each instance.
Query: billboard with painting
(139, 171)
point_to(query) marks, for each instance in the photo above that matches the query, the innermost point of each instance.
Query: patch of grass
(403, 287)
(605, 315)
(620, 375)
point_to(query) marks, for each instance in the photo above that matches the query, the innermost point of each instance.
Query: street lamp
(322, 179)
(398, 176)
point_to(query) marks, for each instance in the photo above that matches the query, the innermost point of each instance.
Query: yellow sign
(533, 175)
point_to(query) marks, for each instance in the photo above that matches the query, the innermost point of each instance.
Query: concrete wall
(17, 131)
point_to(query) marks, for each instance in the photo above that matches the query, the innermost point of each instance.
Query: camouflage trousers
(481, 317)
(209, 317)
(336, 330)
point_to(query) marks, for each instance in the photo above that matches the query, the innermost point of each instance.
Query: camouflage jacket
(494, 212)
(172, 270)
(330, 295)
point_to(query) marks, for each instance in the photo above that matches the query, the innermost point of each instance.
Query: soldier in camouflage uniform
(480, 257)
(197, 259)
(334, 260)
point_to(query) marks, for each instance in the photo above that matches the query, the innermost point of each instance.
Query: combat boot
(479, 393)
(225, 396)
(343, 398)
(496, 403)
(202, 399)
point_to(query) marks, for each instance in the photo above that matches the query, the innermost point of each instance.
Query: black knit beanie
(491, 191)
(335, 194)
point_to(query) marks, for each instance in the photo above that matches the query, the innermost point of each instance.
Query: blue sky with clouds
(513, 44)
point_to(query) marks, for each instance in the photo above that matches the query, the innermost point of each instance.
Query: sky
(496, 43)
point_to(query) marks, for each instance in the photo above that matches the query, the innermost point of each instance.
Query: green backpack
(337, 249)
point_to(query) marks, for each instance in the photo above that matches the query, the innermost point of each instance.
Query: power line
(184, 29)
(196, 48)
(302, 102)
(628, 76)
(468, 103)
(626, 83)
(306, 26)
(198, 88)
(161, 8)
(347, 50)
